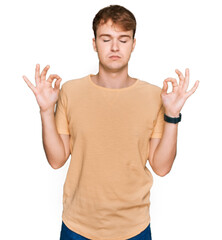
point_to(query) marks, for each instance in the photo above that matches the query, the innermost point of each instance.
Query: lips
(114, 57)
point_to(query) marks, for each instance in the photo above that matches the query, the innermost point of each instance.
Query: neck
(113, 79)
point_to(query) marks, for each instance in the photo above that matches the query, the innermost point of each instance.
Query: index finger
(52, 77)
(174, 83)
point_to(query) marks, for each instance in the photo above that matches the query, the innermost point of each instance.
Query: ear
(134, 43)
(94, 44)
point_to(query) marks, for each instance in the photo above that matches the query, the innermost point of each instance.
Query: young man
(111, 124)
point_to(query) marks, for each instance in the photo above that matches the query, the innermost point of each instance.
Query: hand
(174, 101)
(45, 94)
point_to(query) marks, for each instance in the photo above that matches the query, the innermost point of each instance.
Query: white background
(185, 204)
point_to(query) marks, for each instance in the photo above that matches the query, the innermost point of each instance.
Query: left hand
(174, 101)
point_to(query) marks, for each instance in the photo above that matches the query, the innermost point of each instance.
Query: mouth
(114, 57)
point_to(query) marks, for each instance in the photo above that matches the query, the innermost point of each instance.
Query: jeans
(67, 234)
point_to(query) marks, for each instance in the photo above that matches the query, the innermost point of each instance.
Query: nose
(114, 46)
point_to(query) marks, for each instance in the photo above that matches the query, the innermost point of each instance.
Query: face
(114, 46)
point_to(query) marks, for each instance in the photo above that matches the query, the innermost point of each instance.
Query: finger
(31, 86)
(37, 74)
(193, 89)
(165, 87)
(187, 79)
(174, 83)
(44, 71)
(181, 77)
(57, 83)
(52, 77)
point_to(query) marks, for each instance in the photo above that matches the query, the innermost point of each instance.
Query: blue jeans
(67, 234)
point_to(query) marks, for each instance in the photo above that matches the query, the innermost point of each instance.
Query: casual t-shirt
(107, 188)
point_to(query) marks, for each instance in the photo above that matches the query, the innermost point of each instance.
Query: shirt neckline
(112, 89)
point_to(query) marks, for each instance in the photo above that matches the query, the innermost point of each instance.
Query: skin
(56, 145)
(163, 151)
(114, 47)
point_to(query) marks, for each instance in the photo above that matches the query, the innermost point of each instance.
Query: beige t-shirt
(107, 188)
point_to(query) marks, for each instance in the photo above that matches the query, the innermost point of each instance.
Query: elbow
(56, 165)
(162, 172)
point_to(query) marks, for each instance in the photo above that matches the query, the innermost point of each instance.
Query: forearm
(163, 156)
(52, 143)
(165, 152)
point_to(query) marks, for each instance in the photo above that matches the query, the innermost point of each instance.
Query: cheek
(128, 51)
(101, 55)
(103, 51)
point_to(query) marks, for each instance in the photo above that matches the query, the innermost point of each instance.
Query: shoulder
(73, 85)
(150, 93)
(73, 82)
(146, 86)
(149, 85)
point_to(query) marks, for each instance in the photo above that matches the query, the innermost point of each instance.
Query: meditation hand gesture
(174, 101)
(45, 94)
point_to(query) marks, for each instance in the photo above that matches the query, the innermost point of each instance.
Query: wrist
(174, 120)
(172, 114)
(47, 111)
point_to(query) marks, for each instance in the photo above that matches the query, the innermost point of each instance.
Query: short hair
(119, 15)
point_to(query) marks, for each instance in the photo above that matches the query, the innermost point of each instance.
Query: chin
(114, 67)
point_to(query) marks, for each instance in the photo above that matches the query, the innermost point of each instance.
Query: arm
(163, 151)
(56, 146)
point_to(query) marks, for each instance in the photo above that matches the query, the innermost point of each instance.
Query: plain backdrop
(186, 203)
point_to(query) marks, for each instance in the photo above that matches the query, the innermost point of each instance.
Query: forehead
(112, 29)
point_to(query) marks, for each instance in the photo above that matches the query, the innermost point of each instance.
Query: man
(111, 124)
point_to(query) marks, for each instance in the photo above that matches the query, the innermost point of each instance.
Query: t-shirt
(106, 194)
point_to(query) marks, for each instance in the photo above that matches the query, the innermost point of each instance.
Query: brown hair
(119, 15)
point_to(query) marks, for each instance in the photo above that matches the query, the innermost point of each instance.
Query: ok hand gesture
(174, 101)
(45, 94)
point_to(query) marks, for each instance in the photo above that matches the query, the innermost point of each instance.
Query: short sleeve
(61, 113)
(159, 124)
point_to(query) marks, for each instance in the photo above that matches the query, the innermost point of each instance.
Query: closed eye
(122, 41)
(106, 40)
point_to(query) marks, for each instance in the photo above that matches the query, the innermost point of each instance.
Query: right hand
(45, 94)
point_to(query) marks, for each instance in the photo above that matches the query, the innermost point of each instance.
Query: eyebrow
(108, 35)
